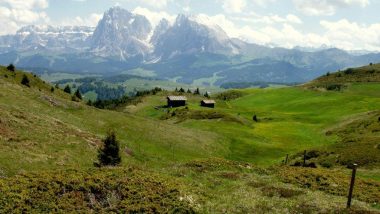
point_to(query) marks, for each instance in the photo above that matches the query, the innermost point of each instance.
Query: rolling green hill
(187, 159)
(337, 80)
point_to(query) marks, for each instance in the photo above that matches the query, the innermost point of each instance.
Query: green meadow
(189, 159)
(290, 119)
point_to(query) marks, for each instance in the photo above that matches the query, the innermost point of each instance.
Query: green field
(291, 119)
(205, 160)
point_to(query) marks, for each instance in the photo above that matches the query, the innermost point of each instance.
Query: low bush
(282, 192)
(97, 191)
(25, 81)
(230, 95)
(332, 182)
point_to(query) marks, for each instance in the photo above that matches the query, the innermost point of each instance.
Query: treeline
(81, 80)
(124, 100)
(110, 79)
(124, 77)
(103, 91)
(242, 85)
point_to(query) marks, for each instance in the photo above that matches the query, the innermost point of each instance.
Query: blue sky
(347, 24)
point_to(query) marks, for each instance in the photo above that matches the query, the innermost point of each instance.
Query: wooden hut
(208, 103)
(176, 101)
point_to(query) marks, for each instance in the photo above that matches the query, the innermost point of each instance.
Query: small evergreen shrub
(255, 118)
(11, 68)
(197, 92)
(25, 81)
(349, 71)
(109, 154)
(334, 87)
(67, 89)
(77, 94)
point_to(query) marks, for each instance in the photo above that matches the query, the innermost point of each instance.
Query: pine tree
(11, 67)
(25, 81)
(176, 90)
(197, 92)
(109, 154)
(189, 91)
(182, 90)
(52, 89)
(78, 94)
(67, 89)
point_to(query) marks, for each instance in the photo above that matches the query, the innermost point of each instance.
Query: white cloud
(270, 19)
(263, 3)
(293, 19)
(17, 13)
(326, 7)
(351, 35)
(186, 9)
(156, 3)
(26, 4)
(234, 6)
(153, 16)
(91, 20)
(342, 34)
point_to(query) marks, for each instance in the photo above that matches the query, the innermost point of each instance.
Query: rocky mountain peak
(121, 33)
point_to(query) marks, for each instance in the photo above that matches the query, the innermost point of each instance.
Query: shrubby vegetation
(127, 190)
(103, 91)
(11, 68)
(242, 85)
(67, 89)
(25, 80)
(109, 153)
(77, 94)
(230, 95)
(124, 100)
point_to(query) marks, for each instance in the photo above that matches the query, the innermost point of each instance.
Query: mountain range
(191, 49)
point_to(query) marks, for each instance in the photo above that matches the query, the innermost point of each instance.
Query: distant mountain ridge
(192, 49)
(31, 38)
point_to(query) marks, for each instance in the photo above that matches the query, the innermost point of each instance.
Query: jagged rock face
(48, 38)
(193, 35)
(161, 29)
(121, 33)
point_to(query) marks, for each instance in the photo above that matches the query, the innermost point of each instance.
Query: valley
(192, 159)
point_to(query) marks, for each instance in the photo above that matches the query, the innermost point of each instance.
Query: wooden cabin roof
(177, 98)
(209, 101)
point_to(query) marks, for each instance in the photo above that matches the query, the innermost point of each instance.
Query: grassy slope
(370, 73)
(291, 119)
(42, 131)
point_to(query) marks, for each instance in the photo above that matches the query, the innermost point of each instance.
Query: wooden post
(304, 158)
(286, 159)
(354, 166)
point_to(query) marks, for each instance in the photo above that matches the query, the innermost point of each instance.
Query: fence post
(354, 166)
(304, 158)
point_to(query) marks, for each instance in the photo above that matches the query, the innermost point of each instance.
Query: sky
(345, 24)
